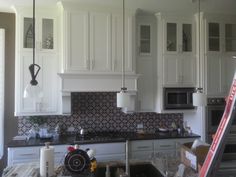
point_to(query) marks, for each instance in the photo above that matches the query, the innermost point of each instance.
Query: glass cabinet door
(186, 37)
(214, 37)
(171, 42)
(230, 37)
(47, 34)
(145, 39)
(28, 33)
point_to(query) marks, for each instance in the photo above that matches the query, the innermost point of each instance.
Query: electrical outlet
(140, 126)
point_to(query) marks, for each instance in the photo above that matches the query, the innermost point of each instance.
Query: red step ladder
(213, 158)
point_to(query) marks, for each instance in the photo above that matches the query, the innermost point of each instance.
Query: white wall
(196, 121)
(7, 21)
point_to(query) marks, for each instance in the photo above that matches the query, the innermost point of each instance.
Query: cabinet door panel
(171, 37)
(78, 58)
(49, 79)
(188, 70)
(214, 37)
(26, 105)
(186, 37)
(100, 41)
(215, 75)
(117, 38)
(171, 69)
(47, 34)
(27, 32)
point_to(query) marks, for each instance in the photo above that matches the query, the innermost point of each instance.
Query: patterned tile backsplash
(97, 111)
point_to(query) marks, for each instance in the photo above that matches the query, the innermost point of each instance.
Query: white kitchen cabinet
(60, 152)
(100, 41)
(138, 149)
(169, 147)
(178, 56)
(47, 80)
(107, 151)
(176, 63)
(23, 155)
(164, 148)
(220, 47)
(216, 75)
(104, 152)
(146, 62)
(148, 149)
(179, 70)
(47, 57)
(89, 39)
(141, 149)
(93, 40)
(46, 38)
(18, 155)
(117, 44)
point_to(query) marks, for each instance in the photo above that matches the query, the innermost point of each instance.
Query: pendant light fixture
(123, 97)
(199, 97)
(32, 89)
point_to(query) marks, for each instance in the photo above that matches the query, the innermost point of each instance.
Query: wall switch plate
(140, 126)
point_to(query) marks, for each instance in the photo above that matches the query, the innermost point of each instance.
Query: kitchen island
(32, 169)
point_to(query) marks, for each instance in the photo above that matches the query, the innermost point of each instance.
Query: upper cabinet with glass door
(220, 46)
(221, 37)
(213, 36)
(178, 37)
(145, 39)
(44, 33)
(230, 37)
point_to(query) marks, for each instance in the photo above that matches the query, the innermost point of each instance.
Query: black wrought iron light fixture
(32, 89)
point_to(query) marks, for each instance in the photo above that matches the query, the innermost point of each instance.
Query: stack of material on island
(194, 154)
(29, 169)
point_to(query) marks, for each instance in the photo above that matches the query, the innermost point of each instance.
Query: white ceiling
(220, 6)
(5, 5)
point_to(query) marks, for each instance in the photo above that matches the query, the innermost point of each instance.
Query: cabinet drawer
(164, 144)
(145, 145)
(60, 151)
(106, 148)
(26, 153)
(143, 155)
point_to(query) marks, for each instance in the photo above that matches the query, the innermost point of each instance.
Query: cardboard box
(193, 159)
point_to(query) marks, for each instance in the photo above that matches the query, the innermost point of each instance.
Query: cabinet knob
(114, 64)
(93, 64)
(87, 64)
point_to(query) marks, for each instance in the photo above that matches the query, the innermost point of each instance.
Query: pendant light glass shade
(33, 91)
(199, 98)
(123, 99)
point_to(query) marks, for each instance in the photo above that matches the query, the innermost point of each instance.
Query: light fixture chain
(33, 31)
(199, 43)
(123, 52)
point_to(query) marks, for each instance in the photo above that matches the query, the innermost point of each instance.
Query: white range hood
(93, 82)
(96, 82)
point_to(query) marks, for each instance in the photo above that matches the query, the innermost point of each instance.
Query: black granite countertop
(100, 137)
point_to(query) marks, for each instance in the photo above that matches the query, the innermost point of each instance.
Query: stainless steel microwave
(178, 98)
